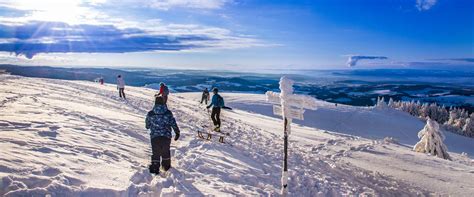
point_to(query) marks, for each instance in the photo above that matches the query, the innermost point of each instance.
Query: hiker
(160, 121)
(101, 81)
(164, 92)
(121, 86)
(205, 96)
(217, 102)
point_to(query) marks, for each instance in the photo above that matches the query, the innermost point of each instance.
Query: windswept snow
(75, 138)
(368, 122)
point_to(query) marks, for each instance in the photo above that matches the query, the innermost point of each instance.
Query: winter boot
(154, 167)
(217, 129)
(166, 164)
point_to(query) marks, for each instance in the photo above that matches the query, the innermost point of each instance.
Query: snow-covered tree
(443, 115)
(391, 103)
(431, 140)
(453, 116)
(452, 119)
(381, 103)
(425, 111)
(457, 119)
(468, 128)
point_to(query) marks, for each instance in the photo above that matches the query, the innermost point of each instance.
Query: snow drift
(76, 138)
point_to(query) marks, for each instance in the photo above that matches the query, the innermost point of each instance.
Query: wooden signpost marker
(289, 106)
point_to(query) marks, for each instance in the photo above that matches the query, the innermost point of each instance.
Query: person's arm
(212, 102)
(175, 127)
(147, 121)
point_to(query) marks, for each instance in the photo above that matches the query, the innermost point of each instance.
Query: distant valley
(352, 87)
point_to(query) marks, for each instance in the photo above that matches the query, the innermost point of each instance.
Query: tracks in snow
(250, 166)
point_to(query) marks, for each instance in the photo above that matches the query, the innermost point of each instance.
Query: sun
(68, 11)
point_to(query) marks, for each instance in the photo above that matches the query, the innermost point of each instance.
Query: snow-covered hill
(76, 138)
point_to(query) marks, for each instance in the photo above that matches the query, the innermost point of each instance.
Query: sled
(209, 135)
(212, 132)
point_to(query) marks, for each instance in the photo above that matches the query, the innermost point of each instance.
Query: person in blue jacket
(160, 121)
(217, 102)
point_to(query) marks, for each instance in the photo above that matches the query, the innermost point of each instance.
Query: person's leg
(218, 116)
(213, 115)
(165, 99)
(123, 93)
(155, 157)
(155, 147)
(120, 92)
(165, 153)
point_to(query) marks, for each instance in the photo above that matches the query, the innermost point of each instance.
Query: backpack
(220, 101)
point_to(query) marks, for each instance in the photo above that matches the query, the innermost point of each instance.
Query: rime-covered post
(288, 106)
(286, 88)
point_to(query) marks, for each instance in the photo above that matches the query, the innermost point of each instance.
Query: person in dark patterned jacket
(160, 121)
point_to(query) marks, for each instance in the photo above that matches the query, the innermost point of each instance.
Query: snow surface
(76, 138)
(368, 122)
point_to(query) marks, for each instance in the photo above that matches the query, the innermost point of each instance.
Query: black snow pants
(121, 92)
(216, 116)
(204, 99)
(161, 152)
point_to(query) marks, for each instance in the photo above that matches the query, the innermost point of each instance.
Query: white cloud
(36, 37)
(76, 19)
(70, 11)
(353, 59)
(195, 4)
(7, 58)
(425, 4)
(168, 4)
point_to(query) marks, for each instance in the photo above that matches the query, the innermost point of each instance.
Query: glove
(176, 137)
(208, 107)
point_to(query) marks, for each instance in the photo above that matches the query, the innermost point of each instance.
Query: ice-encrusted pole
(286, 87)
(287, 100)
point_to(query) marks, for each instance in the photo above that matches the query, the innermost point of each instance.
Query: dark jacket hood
(160, 109)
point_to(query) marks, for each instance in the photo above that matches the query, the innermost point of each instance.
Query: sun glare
(69, 11)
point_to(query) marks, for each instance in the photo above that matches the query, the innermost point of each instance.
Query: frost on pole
(431, 140)
(294, 104)
(289, 106)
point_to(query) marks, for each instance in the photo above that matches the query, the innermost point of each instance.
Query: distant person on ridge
(164, 92)
(121, 86)
(217, 102)
(205, 96)
(160, 121)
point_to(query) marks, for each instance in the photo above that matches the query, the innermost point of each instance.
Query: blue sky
(239, 34)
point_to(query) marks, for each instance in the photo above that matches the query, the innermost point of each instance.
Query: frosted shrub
(453, 120)
(381, 103)
(431, 140)
(468, 128)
